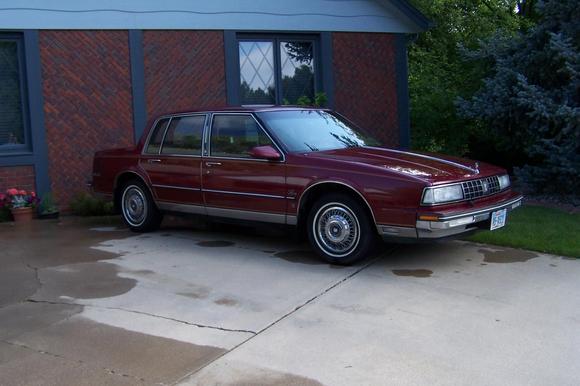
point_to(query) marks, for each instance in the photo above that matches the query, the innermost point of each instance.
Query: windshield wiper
(312, 148)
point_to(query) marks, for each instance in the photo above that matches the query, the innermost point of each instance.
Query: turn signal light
(429, 218)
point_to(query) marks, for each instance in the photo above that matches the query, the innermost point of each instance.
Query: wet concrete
(82, 281)
(138, 358)
(413, 272)
(215, 244)
(226, 302)
(256, 376)
(49, 243)
(308, 257)
(510, 255)
(232, 307)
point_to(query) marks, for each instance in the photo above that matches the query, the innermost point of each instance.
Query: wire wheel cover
(336, 229)
(134, 205)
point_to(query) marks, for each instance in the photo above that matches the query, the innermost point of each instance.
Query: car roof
(245, 109)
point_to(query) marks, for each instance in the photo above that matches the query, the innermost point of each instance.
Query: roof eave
(416, 16)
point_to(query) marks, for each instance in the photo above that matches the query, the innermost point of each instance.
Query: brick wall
(365, 82)
(87, 102)
(20, 177)
(183, 70)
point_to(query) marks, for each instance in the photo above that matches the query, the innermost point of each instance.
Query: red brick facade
(365, 82)
(183, 70)
(87, 102)
(20, 177)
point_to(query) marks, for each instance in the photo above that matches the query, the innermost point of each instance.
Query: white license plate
(498, 219)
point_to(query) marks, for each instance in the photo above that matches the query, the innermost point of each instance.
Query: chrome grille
(480, 188)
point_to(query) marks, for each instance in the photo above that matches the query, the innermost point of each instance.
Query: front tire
(138, 208)
(340, 230)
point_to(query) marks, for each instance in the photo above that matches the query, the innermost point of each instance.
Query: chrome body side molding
(275, 218)
(183, 208)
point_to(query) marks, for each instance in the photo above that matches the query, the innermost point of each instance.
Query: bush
(85, 204)
(530, 102)
(5, 214)
(47, 204)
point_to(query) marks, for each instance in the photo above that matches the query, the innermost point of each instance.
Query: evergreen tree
(530, 102)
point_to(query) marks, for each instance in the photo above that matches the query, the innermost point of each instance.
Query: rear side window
(184, 136)
(235, 135)
(157, 136)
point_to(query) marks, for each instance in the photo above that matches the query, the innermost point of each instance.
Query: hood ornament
(476, 167)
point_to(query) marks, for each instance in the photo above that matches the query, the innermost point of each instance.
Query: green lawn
(539, 229)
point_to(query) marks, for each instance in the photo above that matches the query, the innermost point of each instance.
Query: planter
(22, 214)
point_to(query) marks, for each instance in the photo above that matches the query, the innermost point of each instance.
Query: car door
(172, 161)
(236, 185)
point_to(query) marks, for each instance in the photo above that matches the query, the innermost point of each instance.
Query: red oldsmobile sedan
(302, 167)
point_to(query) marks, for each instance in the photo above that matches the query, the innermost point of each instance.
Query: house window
(13, 124)
(278, 70)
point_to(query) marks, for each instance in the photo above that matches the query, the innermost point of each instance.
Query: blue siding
(297, 15)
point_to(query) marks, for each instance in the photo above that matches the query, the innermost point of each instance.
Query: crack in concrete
(146, 314)
(36, 277)
(307, 302)
(42, 352)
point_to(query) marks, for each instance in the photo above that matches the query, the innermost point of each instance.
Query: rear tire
(138, 208)
(340, 229)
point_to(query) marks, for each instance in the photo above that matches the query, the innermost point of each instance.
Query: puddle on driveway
(226, 302)
(245, 376)
(507, 255)
(413, 272)
(83, 281)
(215, 244)
(302, 257)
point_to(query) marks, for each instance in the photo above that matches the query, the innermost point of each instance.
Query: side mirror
(265, 152)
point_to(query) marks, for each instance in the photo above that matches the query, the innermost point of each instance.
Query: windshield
(314, 130)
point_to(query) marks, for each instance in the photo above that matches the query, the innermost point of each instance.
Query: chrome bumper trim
(484, 210)
(447, 226)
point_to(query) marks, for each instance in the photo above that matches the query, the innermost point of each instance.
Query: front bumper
(448, 225)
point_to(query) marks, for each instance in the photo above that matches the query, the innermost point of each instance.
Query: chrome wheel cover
(336, 229)
(134, 205)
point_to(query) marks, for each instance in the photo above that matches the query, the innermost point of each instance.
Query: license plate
(498, 219)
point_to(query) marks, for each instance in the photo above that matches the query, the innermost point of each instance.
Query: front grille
(480, 188)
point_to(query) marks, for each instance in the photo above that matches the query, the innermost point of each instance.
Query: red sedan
(302, 167)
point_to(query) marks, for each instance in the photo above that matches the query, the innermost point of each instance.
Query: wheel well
(121, 181)
(314, 193)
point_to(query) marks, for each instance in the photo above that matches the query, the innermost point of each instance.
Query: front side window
(235, 135)
(184, 136)
(276, 71)
(12, 122)
(314, 130)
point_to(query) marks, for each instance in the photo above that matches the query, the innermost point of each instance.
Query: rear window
(157, 136)
(184, 136)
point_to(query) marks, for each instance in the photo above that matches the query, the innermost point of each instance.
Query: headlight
(504, 181)
(443, 194)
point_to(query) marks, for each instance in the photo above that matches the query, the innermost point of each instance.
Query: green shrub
(47, 204)
(5, 214)
(85, 204)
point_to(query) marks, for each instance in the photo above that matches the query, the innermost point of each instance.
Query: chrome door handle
(210, 164)
(154, 161)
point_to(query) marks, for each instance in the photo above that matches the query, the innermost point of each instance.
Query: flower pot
(22, 214)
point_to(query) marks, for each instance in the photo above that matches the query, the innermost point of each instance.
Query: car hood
(431, 168)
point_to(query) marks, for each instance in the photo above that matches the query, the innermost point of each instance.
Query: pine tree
(531, 99)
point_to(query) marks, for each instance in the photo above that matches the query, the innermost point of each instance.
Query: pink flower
(2, 197)
(22, 192)
(12, 192)
(32, 194)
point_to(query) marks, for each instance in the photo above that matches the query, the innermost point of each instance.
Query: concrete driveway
(89, 303)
